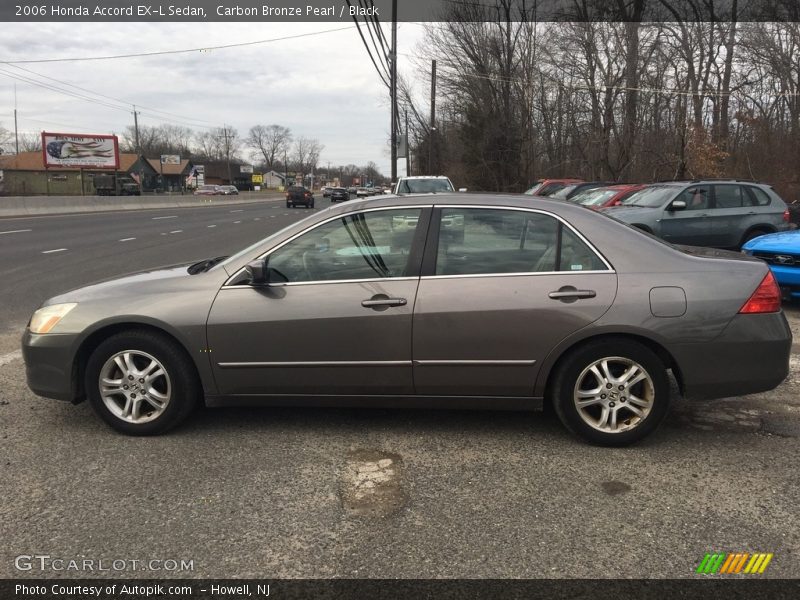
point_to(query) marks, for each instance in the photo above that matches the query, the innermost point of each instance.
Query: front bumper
(788, 279)
(50, 365)
(751, 355)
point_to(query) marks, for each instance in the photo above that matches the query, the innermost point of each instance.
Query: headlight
(47, 317)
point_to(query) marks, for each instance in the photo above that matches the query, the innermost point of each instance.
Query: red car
(546, 187)
(597, 198)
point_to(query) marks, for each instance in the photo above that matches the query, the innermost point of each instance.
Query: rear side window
(730, 196)
(760, 197)
(476, 241)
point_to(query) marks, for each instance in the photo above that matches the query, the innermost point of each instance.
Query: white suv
(425, 184)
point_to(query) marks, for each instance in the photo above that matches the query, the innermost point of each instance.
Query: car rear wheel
(141, 383)
(753, 233)
(611, 392)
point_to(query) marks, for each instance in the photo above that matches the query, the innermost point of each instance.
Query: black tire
(289, 205)
(579, 360)
(185, 387)
(311, 205)
(753, 233)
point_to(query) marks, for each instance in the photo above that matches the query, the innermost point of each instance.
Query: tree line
(519, 100)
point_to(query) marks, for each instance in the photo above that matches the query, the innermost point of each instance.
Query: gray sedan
(459, 301)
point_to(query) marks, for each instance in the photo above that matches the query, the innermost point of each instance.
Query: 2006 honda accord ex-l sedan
(455, 300)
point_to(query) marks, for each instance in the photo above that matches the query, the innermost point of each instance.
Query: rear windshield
(594, 197)
(425, 186)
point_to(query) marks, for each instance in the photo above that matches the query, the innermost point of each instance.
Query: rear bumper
(751, 355)
(49, 362)
(788, 279)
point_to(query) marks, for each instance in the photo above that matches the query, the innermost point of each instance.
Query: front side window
(367, 245)
(476, 241)
(697, 197)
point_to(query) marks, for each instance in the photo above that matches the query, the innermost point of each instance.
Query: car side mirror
(462, 189)
(257, 270)
(677, 205)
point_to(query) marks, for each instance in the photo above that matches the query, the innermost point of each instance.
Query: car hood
(627, 213)
(151, 281)
(785, 241)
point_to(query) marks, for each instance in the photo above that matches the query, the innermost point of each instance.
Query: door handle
(382, 301)
(570, 294)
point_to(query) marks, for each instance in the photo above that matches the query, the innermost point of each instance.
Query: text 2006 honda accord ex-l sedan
(455, 300)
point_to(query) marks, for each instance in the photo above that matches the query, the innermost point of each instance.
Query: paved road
(286, 492)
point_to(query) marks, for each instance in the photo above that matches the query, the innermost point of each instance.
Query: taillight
(766, 298)
(288, 195)
(787, 216)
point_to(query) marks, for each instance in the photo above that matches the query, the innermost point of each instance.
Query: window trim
(432, 245)
(416, 251)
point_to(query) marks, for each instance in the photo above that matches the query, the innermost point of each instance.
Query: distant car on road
(597, 198)
(208, 190)
(781, 251)
(229, 190)
(339, 194)
(548, 187)
(297, 194)
(326, 191)
(718, 213)
(362, 192)
(539, 301)
(424, 184)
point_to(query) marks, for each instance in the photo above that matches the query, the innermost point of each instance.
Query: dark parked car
(229, 190)
(538, 301)
(339, 194)
(602, 197)
(548, 187)
(297, 194)
(570, 191)
(723, 214)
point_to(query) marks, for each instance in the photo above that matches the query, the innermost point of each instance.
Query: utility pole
(136, 129)
(432, 132)
(227, 153)
(393, 90)
(408, 149)
(16, 131)
(285, 170)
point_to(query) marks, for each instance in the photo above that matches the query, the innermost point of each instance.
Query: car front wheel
(141, 383)
(611, 392)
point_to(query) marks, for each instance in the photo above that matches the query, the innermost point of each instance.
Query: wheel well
(659, 350)
(92, 341)
(765, 228)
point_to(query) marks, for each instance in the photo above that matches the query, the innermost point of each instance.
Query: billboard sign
(245, 168)
(71, 150)
(170, 159)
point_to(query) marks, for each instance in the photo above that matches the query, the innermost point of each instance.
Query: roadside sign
(258, 178)
(170, 159)
(80, 150)
(245, 168)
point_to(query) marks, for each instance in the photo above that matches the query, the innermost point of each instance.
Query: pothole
(708, 417)
(372, 483)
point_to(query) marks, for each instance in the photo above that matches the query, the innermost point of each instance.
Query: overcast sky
(320, 86)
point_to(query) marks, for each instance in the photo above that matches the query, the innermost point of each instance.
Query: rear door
(500, 288)
(729, 214)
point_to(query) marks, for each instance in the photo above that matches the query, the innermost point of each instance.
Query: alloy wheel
(135, 386)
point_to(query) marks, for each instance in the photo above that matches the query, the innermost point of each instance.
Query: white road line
(236, 222)
(257, 219)
(177, 231)
(16, 231)
(51, 251)
(10, 357)
(169, 217)
(210, 226)
(240, 210)
(127, 239)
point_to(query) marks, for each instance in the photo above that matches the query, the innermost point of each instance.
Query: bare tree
(306, 153)
(30, 142)
(6, 140)
(271, 141)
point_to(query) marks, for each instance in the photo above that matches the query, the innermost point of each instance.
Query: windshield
(594, 197)
(425, 186)
(563, 192)
(651, 197)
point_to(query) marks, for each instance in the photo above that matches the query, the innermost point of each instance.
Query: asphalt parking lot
(318, 493)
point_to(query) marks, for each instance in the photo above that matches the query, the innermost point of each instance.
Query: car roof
(425, 177)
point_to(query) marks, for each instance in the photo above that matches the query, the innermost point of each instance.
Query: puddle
(372, 483)
(615, 488)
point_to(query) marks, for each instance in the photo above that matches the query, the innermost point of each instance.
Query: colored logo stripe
(723, 562)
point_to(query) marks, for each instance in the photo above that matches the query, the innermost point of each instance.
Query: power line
(163, 52)
(369, 52)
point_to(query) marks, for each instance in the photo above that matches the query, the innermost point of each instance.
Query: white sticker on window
(576, 267)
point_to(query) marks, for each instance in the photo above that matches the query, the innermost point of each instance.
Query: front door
(506, 287)
(692, 225)
(335, 320)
